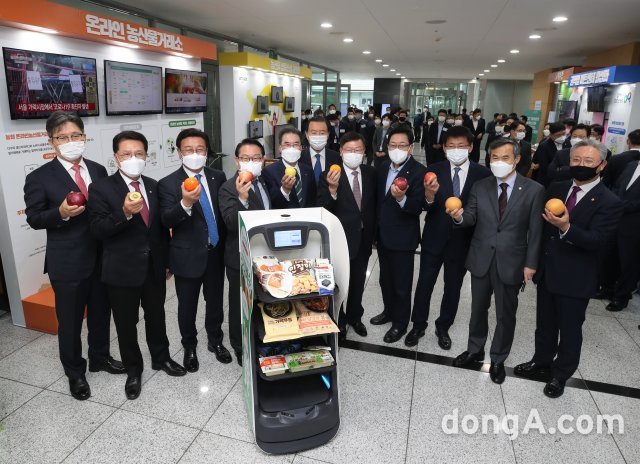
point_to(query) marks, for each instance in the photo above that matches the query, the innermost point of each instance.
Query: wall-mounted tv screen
(132, 88)
(40, 83)
(595, 99)
(185, 91)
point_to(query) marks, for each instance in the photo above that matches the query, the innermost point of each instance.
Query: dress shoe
(170, 367)
(554, 389)
(359, 328)
(530, 369)
(497, 373)
(190, 361)
(415, 334)
(222, 354)
(616, 305)
(467, 358)
(79, 388)
(238, 357)
(107, 364)
(444, 341)
(394, 334)
(133, 387)
(380, 319)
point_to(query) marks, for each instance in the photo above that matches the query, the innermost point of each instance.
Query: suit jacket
(630, 221)
(558, 169)
(616, 166)
(71, 250)
(129, 246)
(334, 139)
(433, 135)
(359, 224)
(399, 227)
(230, 206)
(330, 157)
(525, 158)
(189, 233)
(543, 156)
(379, 140)
(273, 177)
(569, 265)
(479, 130)
(528, 133)
(514, 240)
(438, 227)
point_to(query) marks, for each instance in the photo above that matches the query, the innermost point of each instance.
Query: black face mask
(402, 119)
(582, 173)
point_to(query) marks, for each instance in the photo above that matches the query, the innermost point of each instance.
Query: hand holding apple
(431, 186)
(243, 188)
(66, 210)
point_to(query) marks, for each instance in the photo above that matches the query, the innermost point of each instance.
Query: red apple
(76, 199)
(246, 177)
(401, 183)
(430, 176)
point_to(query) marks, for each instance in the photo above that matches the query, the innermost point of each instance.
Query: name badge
(363, 126)
(444, 129)
(341, 131)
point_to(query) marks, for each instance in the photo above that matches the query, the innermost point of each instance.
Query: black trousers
(475, 151)
(125, 302)
(357, 279)
(417, 132)
(396, 282)
(454, 271)
(563, 316)
(629, 258)
(71, 298)
(188, 294)
(235, 316)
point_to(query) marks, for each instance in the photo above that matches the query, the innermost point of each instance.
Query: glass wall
(436, 94)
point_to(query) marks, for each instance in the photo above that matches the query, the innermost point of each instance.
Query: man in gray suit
(506, 211)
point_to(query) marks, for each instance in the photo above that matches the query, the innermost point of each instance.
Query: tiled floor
(393, 408)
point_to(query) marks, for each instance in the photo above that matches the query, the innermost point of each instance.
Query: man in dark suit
(500, 130)
(568, 270)
(317, 156)
(546, 152)
(437, 132)
(334, 138)
(398, 235)
(350, 194)
(418, 121)
(402, 120)
(237, 196)
(380, 141)
(348, 122)
(617, 163)
(373, 122)
(124, 214)
(559, 168)
(196, 249)
(442, 244)
(477, 127)
(517, 132)
(528, 129)
(285, 190)
(72, 257)
(506, 211)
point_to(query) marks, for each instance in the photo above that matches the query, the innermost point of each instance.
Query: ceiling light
(494, 65)
(366, 52)
(378, 61)
(487, 70)
(385, 65)
(347, 40)
(560, 19)
(501, 61)
(535, 36)
(326, 25)
(403, 77)
(392, 70)
(481, 74)
(514, 51)
(398, 74)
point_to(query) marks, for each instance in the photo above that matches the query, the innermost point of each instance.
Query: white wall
(505, 96)
(21, 247)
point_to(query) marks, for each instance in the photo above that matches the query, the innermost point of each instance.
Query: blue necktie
(209, 217)
(456, 182)
(317, 169)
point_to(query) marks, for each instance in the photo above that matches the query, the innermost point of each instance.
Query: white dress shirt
(584, 189)
(634, 177)
(462, 174)
(205, 188)
(314, 160)
(297, 168)
(84, 172)
(348, 172)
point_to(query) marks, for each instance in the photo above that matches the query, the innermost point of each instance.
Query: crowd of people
(490, 219)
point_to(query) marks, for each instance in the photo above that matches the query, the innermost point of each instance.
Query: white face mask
(560, 140)
(575, 140)
(591, 137)
(133, 167)
(457, 122)
(254, 167)
(520, 135)
(352, 160)
(194, 161)
(386, 123)
(378, 121)
(449, 121)
(441, 118)
(317, 142)
(350, 117)
(72, 151)
(290, 155)
(398, 156)
(546, 132)
(457, 156)
(477, 117)
(429, 123)
(500, 169)
(332, 111)
(499, 129)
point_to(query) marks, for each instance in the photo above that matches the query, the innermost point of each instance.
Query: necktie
(209, 217)
(357, 194)
(502, 199)
(80, 181)
(298, 188)
(317, 169)
(456, 182)
(571, 201)
(256, 189)
(144, 212)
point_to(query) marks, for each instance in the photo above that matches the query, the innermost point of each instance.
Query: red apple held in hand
(76, 199)
(245, 177)
(401, 183)
(428, 177)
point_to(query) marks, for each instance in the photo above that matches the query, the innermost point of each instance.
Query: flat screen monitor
(185, 91)
(40, 83)
(132, 88)
(256, 130)
(595, 99)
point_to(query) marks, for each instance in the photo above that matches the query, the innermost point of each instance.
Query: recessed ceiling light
(436, 21)
(378, 61)
(398, 74)
(392, 70)
(535, 36)
(347, 40)
(403, 77)
(514, 51)
(326, 25)
(487, 70)
(501, 61)
(481, 74)
(385, 65)
(560, 19)
(494, 65)
(366, 52)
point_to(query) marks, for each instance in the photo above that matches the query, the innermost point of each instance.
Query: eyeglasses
(402, 146)
(191, 151)
(125, 155)
(358, 151)
(291, 145)
(67, 138)
(463, 147)
(246, 159)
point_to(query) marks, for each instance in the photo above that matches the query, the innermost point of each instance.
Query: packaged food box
(273, 365)
(297, 362)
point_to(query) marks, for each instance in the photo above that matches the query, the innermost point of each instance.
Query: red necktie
(80, 181)
(144, 212)
(571, 201)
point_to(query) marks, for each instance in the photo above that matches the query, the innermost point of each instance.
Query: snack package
(302, 273)
(297, 362)
(323, 271)
(273, 365)
(314, 323)
(281, 328)
(272, 276)
(266, 264)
